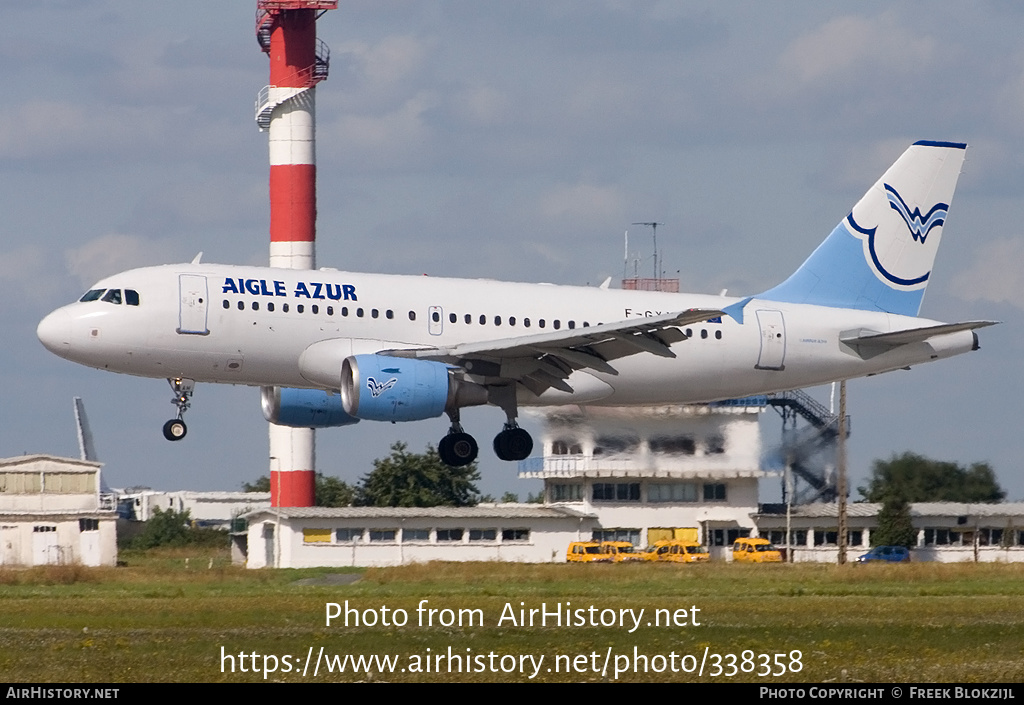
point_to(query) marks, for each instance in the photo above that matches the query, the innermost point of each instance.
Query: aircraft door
(192, 304)
(435, 320)
(773, 340)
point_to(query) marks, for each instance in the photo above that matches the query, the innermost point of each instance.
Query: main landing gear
(175, 429)
(458, 448)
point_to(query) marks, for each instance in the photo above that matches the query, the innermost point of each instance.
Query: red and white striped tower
(286, 30)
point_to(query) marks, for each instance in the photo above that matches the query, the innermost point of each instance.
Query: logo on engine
(376, 388)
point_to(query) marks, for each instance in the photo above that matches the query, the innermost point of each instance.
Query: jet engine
(303, 408)
(382, 388)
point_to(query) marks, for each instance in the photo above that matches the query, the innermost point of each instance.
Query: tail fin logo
(918, 224)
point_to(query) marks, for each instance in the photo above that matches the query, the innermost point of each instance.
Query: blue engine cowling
(304, 408)
(382, 388)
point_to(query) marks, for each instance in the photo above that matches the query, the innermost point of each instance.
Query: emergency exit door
(773, 340)
(192, 304)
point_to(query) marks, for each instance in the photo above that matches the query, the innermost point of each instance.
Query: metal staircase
(809, 451)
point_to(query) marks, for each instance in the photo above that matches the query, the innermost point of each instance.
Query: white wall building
(639, 470)
(303, 537)
(210, 509)
(52, 512)
(947, 532)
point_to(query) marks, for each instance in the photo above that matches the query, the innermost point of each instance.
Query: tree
(168, 528)
(417, 480)
(894, 525)
(328, 491)
(914, 478)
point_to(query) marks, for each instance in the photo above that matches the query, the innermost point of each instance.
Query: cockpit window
(92, 294)
(113, 296)
(131, 297)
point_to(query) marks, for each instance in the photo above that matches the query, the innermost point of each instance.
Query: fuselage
(251, 326)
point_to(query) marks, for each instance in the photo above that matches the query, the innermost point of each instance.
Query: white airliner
(330, 348)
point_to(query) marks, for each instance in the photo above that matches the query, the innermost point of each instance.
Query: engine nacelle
(381, 388)
(303, 408)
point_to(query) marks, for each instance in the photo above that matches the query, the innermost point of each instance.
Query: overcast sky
(511, 140)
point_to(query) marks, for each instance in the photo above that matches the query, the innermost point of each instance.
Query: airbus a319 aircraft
(331, 348)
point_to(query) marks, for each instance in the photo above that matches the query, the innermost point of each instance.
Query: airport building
(304, 537)
(52, 511)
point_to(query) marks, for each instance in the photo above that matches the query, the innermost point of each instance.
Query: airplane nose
(54, 332)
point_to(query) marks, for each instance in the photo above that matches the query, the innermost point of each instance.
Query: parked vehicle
(621, 551)
(886, 554)
(755, 551)
(676, 551)
(587, 552)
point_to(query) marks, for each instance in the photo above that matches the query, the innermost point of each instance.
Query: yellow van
(677, 551)
(621, 551)
(587, 552)
(755, 551)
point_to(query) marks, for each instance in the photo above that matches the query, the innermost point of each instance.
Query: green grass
(158, 619)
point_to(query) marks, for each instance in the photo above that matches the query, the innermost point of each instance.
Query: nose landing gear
(175, 429)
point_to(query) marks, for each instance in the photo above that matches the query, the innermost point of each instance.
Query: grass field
(160, 619)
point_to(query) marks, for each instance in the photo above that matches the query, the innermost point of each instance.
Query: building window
(449, 534)
(855, 538)
(726, 537)
(43, 528)
(617, 492)
(941, 537)
(672, 492)
(88, 524)
(382, 535)
(631, 535)
(348, 535)
(516, 534)
(415, 535)
(798, 537)
(681, 445)
(615, 444)
(316, 535)
(777, 538)
(714, 492)
(826, 538)
(483, 534)
(714, 445)
(567, 493)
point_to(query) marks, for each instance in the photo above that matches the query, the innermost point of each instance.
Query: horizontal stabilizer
(867, 344)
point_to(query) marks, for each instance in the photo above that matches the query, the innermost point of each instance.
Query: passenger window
(255, 305)
(374, 313)
(270, 306)
(359, 313)
(483, 319)
(300, 308)
(113, 296)
(314, 308)
(703, 334)
(330, 310)
(435, 316)
(526, 322)
(452, 317)
(469, 319)
(344, 310)
(412, 315)
(131, 297)
(241, 306)
(284, 307)
(92, 294)
(497, 320)
(540, 323)
(227, 304)
(389, 314)
(511, 320)
(556, 324)
(718, 335)
(572, 324)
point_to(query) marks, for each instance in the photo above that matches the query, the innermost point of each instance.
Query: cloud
(584, 204)
(995, 275)
(110, 254)
(846, 46)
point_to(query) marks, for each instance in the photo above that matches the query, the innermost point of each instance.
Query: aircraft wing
(867, 344)
(546, 360)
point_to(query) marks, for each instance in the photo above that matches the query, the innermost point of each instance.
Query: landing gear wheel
(457, 449)
(513, 444)
(175, 430)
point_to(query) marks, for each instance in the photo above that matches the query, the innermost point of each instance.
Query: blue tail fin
(879, 258)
